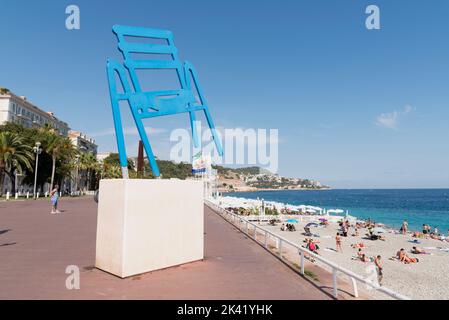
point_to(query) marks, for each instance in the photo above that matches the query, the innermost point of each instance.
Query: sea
(388, 206)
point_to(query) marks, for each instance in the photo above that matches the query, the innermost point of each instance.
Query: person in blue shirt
(54, 197)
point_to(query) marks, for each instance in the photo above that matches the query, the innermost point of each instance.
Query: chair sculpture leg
(190, 70)
(112, 68)
(120, 139)
(215, 136)
(147, 145)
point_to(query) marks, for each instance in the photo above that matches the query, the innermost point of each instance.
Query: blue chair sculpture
(153, 103)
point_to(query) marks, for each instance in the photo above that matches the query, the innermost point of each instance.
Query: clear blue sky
(354, 108)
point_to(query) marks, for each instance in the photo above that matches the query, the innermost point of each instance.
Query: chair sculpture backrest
(150, 104)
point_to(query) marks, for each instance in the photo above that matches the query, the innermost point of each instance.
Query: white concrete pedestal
(147, 225)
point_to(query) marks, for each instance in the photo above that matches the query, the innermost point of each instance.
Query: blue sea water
(388, 206)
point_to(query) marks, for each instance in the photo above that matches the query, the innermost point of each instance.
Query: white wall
(147, 225)
(4, 110)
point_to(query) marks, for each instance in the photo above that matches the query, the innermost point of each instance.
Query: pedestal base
(147, 225)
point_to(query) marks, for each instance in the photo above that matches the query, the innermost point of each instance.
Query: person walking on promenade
(54, 198)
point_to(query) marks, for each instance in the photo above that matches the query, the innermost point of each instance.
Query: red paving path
(36, 248)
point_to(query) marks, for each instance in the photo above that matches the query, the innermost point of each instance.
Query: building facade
(82, 142)
(103, 155)
(17, 109)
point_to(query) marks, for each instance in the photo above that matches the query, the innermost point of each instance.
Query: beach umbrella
(311, 224)
(292, 221)
(336, 211)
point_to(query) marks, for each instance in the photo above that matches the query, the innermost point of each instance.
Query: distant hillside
(170, 169)
(256, 178)
(244, 171)
(229, 179)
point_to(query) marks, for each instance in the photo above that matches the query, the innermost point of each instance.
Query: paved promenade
(36, 248)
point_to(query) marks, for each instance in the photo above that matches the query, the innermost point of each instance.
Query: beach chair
(152, 104)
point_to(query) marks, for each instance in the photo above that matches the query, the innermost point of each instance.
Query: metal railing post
(354, 286)
(280, 248)
(334, 282)
(266, 239)
(255, 233)
(302, 262)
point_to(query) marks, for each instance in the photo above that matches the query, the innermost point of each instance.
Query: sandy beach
(427, 279)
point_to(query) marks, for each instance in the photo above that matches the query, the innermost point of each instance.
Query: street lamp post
(37, 150)
(77, 177)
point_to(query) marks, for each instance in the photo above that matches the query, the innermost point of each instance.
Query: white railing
(303, 252)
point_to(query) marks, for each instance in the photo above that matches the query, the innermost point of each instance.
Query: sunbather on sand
(358, 245)
(362, 256)
(434, 237)
(408, 260)
(417, 235)
(400, 255)
(418, 250)
(312, 246)
(403, 257)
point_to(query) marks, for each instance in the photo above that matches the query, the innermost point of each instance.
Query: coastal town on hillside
(259, 179)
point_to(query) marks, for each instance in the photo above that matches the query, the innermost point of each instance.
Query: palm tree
(58, 147)
(112, 172)
(88, 162)
(14, 156)
(52, 147)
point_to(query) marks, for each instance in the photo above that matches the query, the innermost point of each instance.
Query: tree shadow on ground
(4, 231)
(8, 244)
